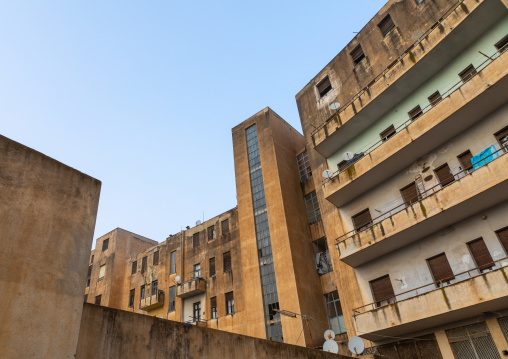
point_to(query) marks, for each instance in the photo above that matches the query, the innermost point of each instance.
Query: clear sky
(142, 95)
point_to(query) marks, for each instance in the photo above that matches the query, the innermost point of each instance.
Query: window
(502, 45)
(89, 271)
(211, 233)
(155, 284)
(230, 303)
(273, 309)
(440, 269)
(324, 86)
(105, 245)
(409, 194)
(382, 291)
(224, 225)
(502, 234)
(386, 25)
(323, 262)
(227, 261)
(156, 258)
(195, 240)
(312, 204)
(472, 342)
(172, 262)
(481, 254)
(334, 310)
(467, 73)
(357, 54)
(142, 292)
(502, 138)
(386, 134)
(88, 282)
(172, 298)
(213, 307)
(345, 164)
(303, 166)
(465, 160)
(102, 272)
(196, 312)
(211, 266)
(131, 298)
(435, 98)
(444, 175)
(91, 260)
(134, 268)
(362, 220)
(143, 265)
(415, 113)
(197, 270)
(86, 298)
(98, 300)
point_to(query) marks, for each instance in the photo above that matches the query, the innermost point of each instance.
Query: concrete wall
(110, 333)
(47, 221)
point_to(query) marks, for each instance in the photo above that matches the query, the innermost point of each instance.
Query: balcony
(152, 302)
(471, 192)
(462, 24)
(191, 288)
(462, 105)
(434, 304)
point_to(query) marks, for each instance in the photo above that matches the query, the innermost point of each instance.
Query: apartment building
(411, 120)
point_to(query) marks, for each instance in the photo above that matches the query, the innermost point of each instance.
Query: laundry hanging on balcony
(484, 157)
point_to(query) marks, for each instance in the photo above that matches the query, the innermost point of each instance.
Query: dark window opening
(86, 298)
(143, 265)
(91, 260)
(386, 25)
(98, 300)
(409, 194)
(211, 233)
(156, 258)
(303, 166)
(386, 134)
(230, 303)
(155, 283)
(142, 292)
(502, 234)
(444, 175)
(502, 45)
(227, 261)
(440, 269)
(212, 267)
(272, 310)
(195, 240)
(213, 307)
(465, 160)
(88, 282)
(468, 73)
(362, 220)
(131, 298)
(480, 254)
(382, 290)
(134, 268)
(89, 271)
(357, 54)
(313, 211)
(502, 138)
(196, 312)
(172, 298)
(415, 113)
(323, 261)
(225, 227)
(105, 245)
(435, 98)
(324, 86)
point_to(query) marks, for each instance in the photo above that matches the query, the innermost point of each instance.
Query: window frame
(324, 86)
(356, 56)
(132, 294)
(227, 264)
(213, 308)
(105, 245)
(230, 303)
(172, 298)
(134, 267)
(155, 256)
(172, 262)
(211, 267)
(389, 132)
(383, 28)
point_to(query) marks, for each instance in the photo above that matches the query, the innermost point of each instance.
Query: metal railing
(159, 299)
(421, 195)
(430, 287)
(447, 93)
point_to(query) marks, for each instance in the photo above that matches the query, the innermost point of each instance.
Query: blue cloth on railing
(484, 157)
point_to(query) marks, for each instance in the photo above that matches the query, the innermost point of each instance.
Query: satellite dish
(334, 106)
(198, 222)
(327, 173)
(356, 345)
(331, 346)
(329, 334)
(348, 156)
(177, 279)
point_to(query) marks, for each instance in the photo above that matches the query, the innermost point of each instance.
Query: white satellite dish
(334, 106)
(329, 334)
(177, 279)
(356, 345)
(198, 222)
(327, 173)
(348, 156)
(331, 346)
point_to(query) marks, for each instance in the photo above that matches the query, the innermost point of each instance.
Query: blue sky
(142, 95)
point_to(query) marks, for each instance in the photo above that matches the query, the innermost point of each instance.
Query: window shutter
(386, 25)
(382, 289)
(503, 238)
(409, 194)
(212, 267)
(362, 219)
(465, 160)
(480, 253)
(440, 268)
(444, 175)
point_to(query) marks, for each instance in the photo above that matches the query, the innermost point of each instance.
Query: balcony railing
(153, 301)
(407, 120)
(191, 287)
(457, 278)
(400, 204)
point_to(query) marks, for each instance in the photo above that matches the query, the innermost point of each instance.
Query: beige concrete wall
(110, 333)
(47, 221)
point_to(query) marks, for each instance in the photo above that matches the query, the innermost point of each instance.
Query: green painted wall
(441, 82)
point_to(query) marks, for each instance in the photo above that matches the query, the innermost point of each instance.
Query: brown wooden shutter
(435, 98)
(409, 194)
(357, 54)
(444, 175)
(195, 240)
(386, 25)
(468, 73)
(362, 219)
(503, 238)
(502, 137)
(382, 289)
(212, 267)
(480, 253)
(156, 258)
(324, 86)
(227, 261)
(415, 113)
(386, 134)
(465, 160)
(440, 268)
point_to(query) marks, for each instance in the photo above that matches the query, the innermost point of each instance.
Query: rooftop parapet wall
(110, 333)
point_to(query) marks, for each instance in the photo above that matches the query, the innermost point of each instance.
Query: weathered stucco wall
(110, 333)
(47, 220)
